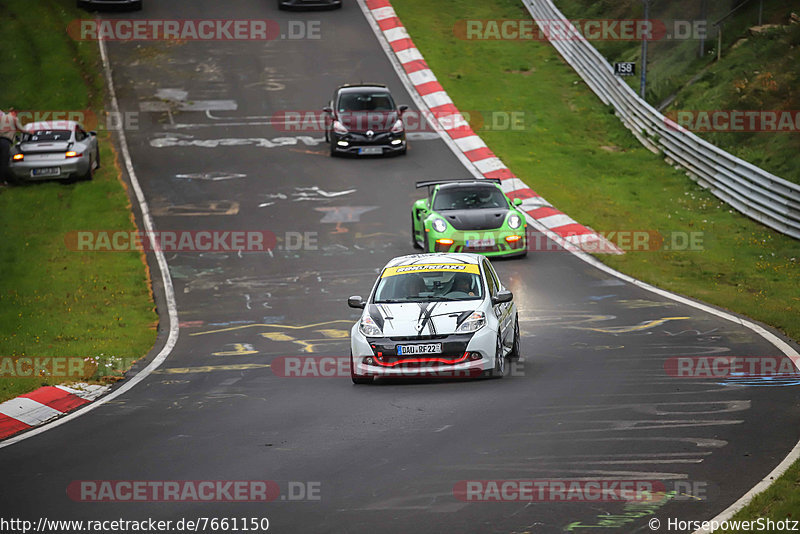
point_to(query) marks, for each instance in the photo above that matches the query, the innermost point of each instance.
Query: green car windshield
(464, 198)
(430, 286)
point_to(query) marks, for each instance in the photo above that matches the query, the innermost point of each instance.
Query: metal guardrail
(768, 199)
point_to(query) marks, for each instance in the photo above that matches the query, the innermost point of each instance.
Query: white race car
(437, 315)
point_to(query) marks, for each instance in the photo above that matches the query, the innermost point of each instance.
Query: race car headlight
(439, 225)
(474, 322)
(514, 221)
(339, 128)
(369, 328)
(398, 126)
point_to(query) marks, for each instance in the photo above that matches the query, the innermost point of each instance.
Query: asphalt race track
(590, 400)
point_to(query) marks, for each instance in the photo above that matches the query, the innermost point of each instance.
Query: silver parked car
(55, 150)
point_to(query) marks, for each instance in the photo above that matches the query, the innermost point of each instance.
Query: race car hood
(476, 219)
(362, 121)
(421, 318)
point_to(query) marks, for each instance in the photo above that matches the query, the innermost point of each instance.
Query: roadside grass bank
(577, 154)
(95, 307)
(758, 70)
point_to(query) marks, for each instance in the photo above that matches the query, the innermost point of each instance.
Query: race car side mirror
(328, 109)
(502, 296)
(356, 302)
(518, 202)
(402, 109)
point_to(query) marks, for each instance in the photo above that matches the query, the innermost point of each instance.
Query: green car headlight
(439, 225)
(514, 221)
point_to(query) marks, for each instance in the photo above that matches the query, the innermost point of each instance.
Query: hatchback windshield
(428, 286)
(463, 198)
(366, 101)
(39, 136)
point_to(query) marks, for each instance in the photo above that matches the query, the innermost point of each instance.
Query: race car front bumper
(462, 356)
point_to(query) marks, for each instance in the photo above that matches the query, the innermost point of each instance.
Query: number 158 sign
(625, 69)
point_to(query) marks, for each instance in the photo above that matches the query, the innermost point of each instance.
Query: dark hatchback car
(364, 121)
(309, 4)
(132, 5)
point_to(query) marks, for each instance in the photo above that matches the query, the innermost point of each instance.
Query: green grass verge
(577, 154)
(758, 71)
(96, 307)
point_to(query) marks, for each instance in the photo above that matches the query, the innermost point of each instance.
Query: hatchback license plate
(46, 171)
(370, 150)
(429, 348)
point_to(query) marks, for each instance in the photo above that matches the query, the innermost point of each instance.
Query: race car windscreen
(43, 136)
(429, 286)
(372, 101)
(469, 198)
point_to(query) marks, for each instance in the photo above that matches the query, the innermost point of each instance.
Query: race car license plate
(370, 150)
(428, 348)
(478, 243)
(46, 171)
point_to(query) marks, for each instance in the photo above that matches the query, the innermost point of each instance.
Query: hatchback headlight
(369, 328)
(514, 221)
(474, 322)
(439, 225)
(339, 128)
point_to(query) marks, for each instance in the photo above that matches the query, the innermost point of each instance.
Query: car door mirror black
(402, 109)
(502, 296)
(94, 133)
(356, 302)
(328, 109)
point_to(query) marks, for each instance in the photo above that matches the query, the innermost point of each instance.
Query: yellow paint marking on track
(277, 336)
(210, 368)
(635, 328)
(241, 327)
(336, 334)
(239, 350)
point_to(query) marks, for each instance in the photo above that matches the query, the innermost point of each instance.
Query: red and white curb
(470, 144)
(43, 405)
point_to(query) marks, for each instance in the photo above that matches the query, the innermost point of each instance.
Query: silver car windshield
(429, 286)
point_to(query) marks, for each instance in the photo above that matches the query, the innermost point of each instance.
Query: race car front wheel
(414, 241)
(515, 347)
(499, 370)
(358, 379)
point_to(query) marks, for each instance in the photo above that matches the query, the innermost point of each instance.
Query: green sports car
(472, 215)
